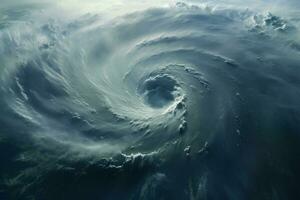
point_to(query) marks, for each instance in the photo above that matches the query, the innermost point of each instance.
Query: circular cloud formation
(186, 101)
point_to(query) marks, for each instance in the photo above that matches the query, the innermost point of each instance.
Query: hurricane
(195, 100)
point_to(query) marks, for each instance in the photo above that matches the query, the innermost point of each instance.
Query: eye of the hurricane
(159, 91)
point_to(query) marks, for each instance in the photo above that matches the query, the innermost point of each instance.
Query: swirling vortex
(155, 88)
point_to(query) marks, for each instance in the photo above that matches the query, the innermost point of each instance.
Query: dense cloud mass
(198, 99)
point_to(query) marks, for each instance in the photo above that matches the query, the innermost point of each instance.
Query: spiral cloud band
(149, 100)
